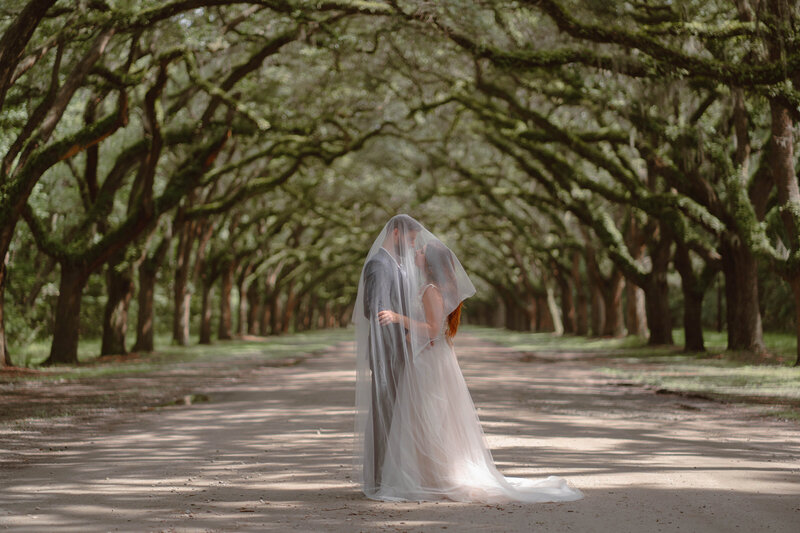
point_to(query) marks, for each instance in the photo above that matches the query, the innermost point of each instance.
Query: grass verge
(90, 366)
(767, 380)
(174, 375)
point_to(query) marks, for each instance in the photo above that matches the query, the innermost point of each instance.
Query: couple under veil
(418, 436)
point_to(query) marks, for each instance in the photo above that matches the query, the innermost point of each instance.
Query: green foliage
(520, 132)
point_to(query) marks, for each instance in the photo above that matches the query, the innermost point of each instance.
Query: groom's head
(401, 232)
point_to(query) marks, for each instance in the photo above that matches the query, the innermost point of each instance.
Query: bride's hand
(388, 317)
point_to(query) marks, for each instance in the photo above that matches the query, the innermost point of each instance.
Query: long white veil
(391, 280)
(417, 432)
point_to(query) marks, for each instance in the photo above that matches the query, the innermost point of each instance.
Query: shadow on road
(273, 453)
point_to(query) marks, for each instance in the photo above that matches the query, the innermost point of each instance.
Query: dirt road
(272, 453)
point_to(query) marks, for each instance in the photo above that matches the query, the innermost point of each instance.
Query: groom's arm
(376, 291)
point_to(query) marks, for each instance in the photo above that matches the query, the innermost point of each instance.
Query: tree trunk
(252, 308)
(508, 315)
(499, 319)
(311, 310)
(181, 296)
(582, 314)
(656, 294)
(568, 312)
(148, 270)
(612, 302)
(530, 317)
(274, 313)
(554, 312)
(205, 314)
(343, 315)
(693, 322)
(327, 316)
(581, 302)
(741, 291)
(119, 286)
(636, 314)
(304, 315)
(598, 311)
(656, 300)
(289, 309)
(597, 294)
(796, 291)
(782, 168)
(241, 311)
(66, 329)
(5, 356)
(266, 313)
(321, 315)
(225, 315)
(6, 234)
(299, 314)
(145, 317)
(539, 320)
(182, 299)
(720, 301)
(693, 294)
(523, 317)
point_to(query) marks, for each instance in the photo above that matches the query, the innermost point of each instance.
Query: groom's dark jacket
(383, 291)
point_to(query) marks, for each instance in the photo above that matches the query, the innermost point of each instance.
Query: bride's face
(419, 258)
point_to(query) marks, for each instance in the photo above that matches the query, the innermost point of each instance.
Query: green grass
(751, 383)
(781, 346)
(268, 348)
(716, 373)
(526, 341)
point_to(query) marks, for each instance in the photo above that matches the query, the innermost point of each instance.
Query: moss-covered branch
(740, 74)
(14, 194)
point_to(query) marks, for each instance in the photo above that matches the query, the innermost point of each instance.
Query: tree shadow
(274, 454)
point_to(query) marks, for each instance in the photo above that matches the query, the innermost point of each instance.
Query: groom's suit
(384, 282)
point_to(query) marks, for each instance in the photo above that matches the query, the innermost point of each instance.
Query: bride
(429, 444)
(418, 436)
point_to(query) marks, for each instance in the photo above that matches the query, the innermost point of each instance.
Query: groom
(384, 289)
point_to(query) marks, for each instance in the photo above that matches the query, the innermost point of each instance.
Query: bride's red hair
(453, 320)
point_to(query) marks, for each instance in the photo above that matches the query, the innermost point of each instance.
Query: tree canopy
(598, 167)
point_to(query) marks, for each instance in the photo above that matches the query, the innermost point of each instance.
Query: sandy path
(271, 453)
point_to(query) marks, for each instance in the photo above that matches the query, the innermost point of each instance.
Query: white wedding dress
(417, 434)
(436, 447)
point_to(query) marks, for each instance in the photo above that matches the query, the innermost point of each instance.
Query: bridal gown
(417, 435)
(436, 447)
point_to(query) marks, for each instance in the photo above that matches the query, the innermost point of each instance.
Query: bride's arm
(434, 308)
